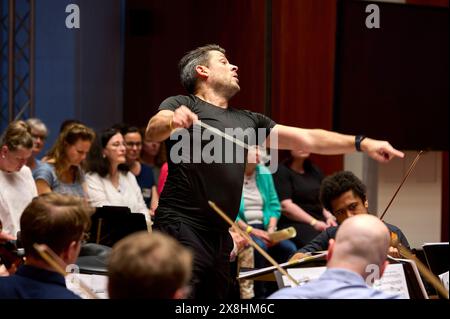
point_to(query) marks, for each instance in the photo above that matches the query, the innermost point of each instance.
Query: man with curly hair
(344, 195)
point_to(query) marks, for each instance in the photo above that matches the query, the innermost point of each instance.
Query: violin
(426, 273)
(404, 252)
(10, 256)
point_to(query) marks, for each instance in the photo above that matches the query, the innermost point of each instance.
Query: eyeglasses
(131, 144)
(85, 237)
(42, 137)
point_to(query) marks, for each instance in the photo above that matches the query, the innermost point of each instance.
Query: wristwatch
(358, 140)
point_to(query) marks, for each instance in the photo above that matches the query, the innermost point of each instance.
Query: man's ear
(70, 254)
(4, 150)
(202, 71)
(331, 243)
(180, 293)
(366, 204)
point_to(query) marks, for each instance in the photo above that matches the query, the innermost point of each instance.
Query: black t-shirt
(303, 189)
(193, 182)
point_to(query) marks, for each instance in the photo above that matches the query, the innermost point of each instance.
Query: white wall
(417, 207)
(416, 210)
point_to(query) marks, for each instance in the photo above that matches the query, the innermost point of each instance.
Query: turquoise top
(271, 204)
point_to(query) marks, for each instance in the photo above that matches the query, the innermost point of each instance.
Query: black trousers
(211, 273)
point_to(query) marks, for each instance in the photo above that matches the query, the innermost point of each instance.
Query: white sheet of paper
(303, 275)
(97, 283)
(444, 279)
(393, 281)
(249, 273)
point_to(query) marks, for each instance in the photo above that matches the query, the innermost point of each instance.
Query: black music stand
(437, 258)
(112, 223)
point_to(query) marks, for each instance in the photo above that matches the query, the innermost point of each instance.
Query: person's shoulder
(25, 170)
(248, 113)
(146, 167)
(92, 176)
(263, 169)
(44, 166)
(285, 169)
(286, 293)
(7, 286)
(177, 100)
(392, 228)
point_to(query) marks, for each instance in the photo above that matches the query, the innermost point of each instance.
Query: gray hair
(189, 62)
(38, 125)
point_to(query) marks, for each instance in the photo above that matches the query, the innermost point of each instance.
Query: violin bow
(411, 167)
(59, 266)
(251, 241)
(429, 276)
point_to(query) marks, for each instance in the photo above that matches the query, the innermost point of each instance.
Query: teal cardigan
(271, 204)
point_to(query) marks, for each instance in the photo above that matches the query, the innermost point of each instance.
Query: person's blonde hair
(149, 266)
(69, 136)
(17, 134)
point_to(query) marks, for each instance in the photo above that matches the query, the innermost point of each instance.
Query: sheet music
(416, 273)
(250, 273)
(97, 283)
(444, 279)
(303, 275)
(393, 281)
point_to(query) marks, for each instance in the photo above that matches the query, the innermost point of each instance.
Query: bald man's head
(360, 241)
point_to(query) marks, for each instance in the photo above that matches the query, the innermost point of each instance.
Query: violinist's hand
(298, 256)
(331, 222)
(320, 226)
(393, 252)
(3, 271)
(5, 237)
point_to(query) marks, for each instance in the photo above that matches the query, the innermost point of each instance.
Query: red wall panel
(303, 42)
(158, 33)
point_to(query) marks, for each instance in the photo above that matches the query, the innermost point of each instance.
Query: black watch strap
(358, 140)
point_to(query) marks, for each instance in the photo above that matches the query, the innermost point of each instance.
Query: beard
(227, 90)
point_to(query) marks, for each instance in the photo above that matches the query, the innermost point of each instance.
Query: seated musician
(344, 195)
(144, 266)
(60, 222)
(355, 258)
(259, 213)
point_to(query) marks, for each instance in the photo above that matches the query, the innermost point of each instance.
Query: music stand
(270, 273)
(109, 224)
(436, 255)
(412, 280)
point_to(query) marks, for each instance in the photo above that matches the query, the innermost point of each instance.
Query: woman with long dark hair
(109, 181)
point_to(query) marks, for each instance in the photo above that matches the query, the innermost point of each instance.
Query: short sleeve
(45, 173)
(174, 102)
(264, 121)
